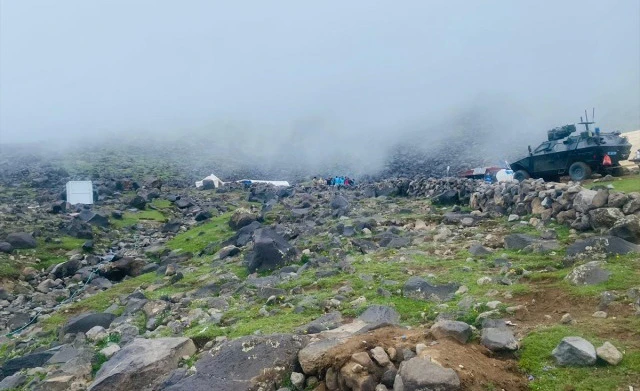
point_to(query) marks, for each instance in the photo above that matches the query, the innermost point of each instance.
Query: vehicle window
(543, 147)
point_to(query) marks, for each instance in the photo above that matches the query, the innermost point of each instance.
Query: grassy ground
(196, 239)
(42, 257)
(625, 184)
(536, 360)
(132, 218)
(390, 269)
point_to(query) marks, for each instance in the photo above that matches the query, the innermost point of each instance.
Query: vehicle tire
(579, 171)
(521, 175)
(617, 171)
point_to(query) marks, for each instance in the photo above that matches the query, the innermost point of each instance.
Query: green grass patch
(111, 338)
(97, 363)
(48, 253)
(8, 269)
(197, 238)
(535, 359)
(626, 184)
(102, 300)
(249, 321)
(161, 203)
(625, 274)
(132, 218)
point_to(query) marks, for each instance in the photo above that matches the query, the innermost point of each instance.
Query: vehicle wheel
(521, 175)
(617, 171)
(579, 171)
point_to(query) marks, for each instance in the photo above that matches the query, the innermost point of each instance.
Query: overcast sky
(374, 68)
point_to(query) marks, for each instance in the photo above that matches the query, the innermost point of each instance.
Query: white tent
(80, 192)
(216, 181)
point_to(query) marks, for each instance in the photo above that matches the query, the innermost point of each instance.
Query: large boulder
(447, 197)
(459, 331)
(583, 201)
(314, 356)
(339, 202)
(591, 273)
(19, 240)
(93, 218)
(244, 234)
(633, 205)
(380, 315)
(141, 364)
(241, 217)
(244, 364)
(627, 228)
(127, 266)
(498, 339)
(419, 374)
(610, 245)
(605, 217)
(84, 322)
(326, 322)
(138, 202)
(609, 353)
(418, 288)
(6, 247)
(270, 251)
(575, 351)
(518, 241)
(66, 269)
(32, 360)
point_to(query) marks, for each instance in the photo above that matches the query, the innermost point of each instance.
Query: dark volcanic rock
(418, 288)
(328, 321)
(126, 266)
(29, 361)
(609, 245)
(84, 322)
(270, 251)
(518, 241)
(590, 273)
(138, 202)
(478, 250)
(20, 240)
(5, 247)
(171, 226)
(244, 234)
(627, 228)
(183, 203)
(339, 202)
(448, 197)
(380, 314)
(241, 218)
(203, 215)
(141, 364)
(93, 218)
(78, 229)
(245, 364)
(66, 269)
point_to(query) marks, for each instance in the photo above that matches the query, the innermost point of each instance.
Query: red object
(606, 161)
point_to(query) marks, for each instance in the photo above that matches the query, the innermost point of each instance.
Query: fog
(315, 86)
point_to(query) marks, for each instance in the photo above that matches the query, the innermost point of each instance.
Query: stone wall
(602, 209)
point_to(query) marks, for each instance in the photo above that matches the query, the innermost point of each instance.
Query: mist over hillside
(301, 90)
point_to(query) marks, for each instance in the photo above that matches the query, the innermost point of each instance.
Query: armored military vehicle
(576, 155)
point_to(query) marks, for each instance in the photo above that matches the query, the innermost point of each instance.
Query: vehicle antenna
(586, 121)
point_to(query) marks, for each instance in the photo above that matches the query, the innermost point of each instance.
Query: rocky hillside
(419, 284)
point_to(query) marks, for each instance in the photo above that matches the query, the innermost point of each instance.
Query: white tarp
(504, 175)
(275, 183)
(216, 181)
(80, 192)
